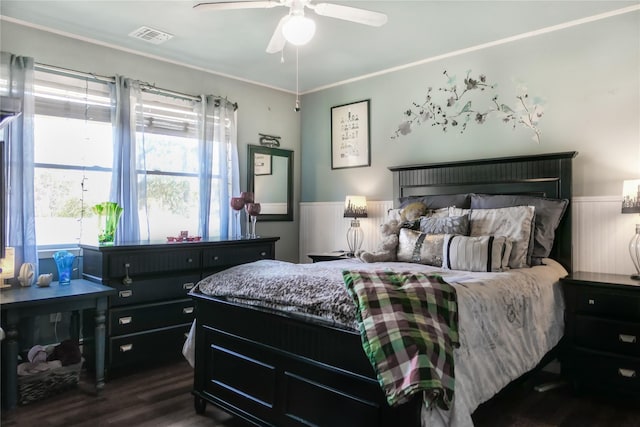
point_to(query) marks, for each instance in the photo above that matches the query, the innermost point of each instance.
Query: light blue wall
(589, 76)
(262, 110)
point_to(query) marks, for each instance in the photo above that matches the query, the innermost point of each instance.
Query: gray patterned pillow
(445, 225)
(420, 248)
(549, 212)
(515, 222)
(478, 253)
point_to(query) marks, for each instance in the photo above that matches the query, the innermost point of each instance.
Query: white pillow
(514, 222)
(478, 253)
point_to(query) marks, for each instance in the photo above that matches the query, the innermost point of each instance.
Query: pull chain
(297, 107)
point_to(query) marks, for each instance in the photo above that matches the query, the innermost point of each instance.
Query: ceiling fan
(294, 27)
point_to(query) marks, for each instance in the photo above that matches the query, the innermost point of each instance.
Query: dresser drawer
(149, 290)
(152, 262)
(608, 335)
(126, 320)
(614, 305)
(606, 371)
(151, 346)
(234, 255)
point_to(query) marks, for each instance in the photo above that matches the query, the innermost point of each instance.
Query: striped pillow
(477, 253)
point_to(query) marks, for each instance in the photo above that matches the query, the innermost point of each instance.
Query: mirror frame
(288, 154)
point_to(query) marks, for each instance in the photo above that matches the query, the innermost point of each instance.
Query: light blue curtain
(19, 159)
(217, 141)
(125, 95)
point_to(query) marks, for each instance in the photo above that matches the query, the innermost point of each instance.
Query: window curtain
(19, 159)
(218, 154)
(125, 95)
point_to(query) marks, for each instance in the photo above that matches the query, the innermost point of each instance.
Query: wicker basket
(32, 388)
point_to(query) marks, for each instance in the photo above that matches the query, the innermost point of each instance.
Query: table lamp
(631, 204)
(7, 267)
(355, 207)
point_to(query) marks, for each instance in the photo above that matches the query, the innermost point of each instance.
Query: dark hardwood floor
(160, 396)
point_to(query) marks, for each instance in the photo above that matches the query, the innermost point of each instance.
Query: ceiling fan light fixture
(299, 30)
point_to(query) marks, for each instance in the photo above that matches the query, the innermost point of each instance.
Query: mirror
(270, 177)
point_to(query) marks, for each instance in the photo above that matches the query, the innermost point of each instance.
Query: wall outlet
(55, 317)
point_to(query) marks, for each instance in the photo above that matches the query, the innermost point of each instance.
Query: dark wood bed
(270, 369)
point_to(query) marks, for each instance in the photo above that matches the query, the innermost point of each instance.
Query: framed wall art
(350, 143)
(262, 164)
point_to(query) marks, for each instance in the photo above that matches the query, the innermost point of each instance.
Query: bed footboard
(274, 370)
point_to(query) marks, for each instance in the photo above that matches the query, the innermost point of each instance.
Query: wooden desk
(20, 303)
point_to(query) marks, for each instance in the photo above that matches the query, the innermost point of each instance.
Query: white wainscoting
(601, 233)
(324, 229)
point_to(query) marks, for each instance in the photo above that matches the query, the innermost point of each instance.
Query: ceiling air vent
(151, 35)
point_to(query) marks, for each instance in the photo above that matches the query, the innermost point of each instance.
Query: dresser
(602, 330)
(150, 313)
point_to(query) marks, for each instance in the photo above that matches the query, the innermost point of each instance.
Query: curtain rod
(56, 69)
(145, 86)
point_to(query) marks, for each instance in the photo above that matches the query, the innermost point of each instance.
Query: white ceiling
(233, 42)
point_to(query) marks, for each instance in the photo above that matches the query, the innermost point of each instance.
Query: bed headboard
(545, 175)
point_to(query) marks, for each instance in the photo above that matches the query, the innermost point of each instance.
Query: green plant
(108, 217)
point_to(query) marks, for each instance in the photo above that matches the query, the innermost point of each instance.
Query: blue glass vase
(64, 263)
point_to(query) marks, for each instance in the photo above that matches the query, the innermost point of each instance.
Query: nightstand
(602, 331)
(328, 256)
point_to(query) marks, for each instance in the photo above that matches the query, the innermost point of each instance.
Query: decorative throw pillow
(549, 213)
(477, 253)
(445, 225)
(420, 248)
(515, 222)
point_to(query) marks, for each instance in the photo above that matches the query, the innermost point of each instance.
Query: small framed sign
(350, 144)
(262, 164)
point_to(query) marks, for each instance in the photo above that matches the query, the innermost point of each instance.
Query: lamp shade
(631, 196)
(7, 264)
(355, 207)
(298, 30)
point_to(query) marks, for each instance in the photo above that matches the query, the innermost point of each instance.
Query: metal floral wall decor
(451, 109)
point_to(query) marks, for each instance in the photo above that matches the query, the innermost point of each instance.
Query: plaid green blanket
(409, 326)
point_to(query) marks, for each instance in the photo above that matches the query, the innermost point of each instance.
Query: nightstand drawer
(127, 320)
(149, 290)
(234, 255)
(608, 335)
(619, 306)
(606, 371)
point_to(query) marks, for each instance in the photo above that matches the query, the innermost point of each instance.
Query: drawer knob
(263, 254)
(125, 320)
(592, 302)
(627, 373)
(125, 294)
(188, 286)
(126, 347)
(189, 260)
(127, 280)
(187, 310)
(629, 339)
(215, 257)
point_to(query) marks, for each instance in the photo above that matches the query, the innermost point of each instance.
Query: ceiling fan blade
(277, 42)
(228, 5)
(347, 13)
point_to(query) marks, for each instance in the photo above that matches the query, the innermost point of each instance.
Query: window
(167, 163)
(73, 155)
(74, 159)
